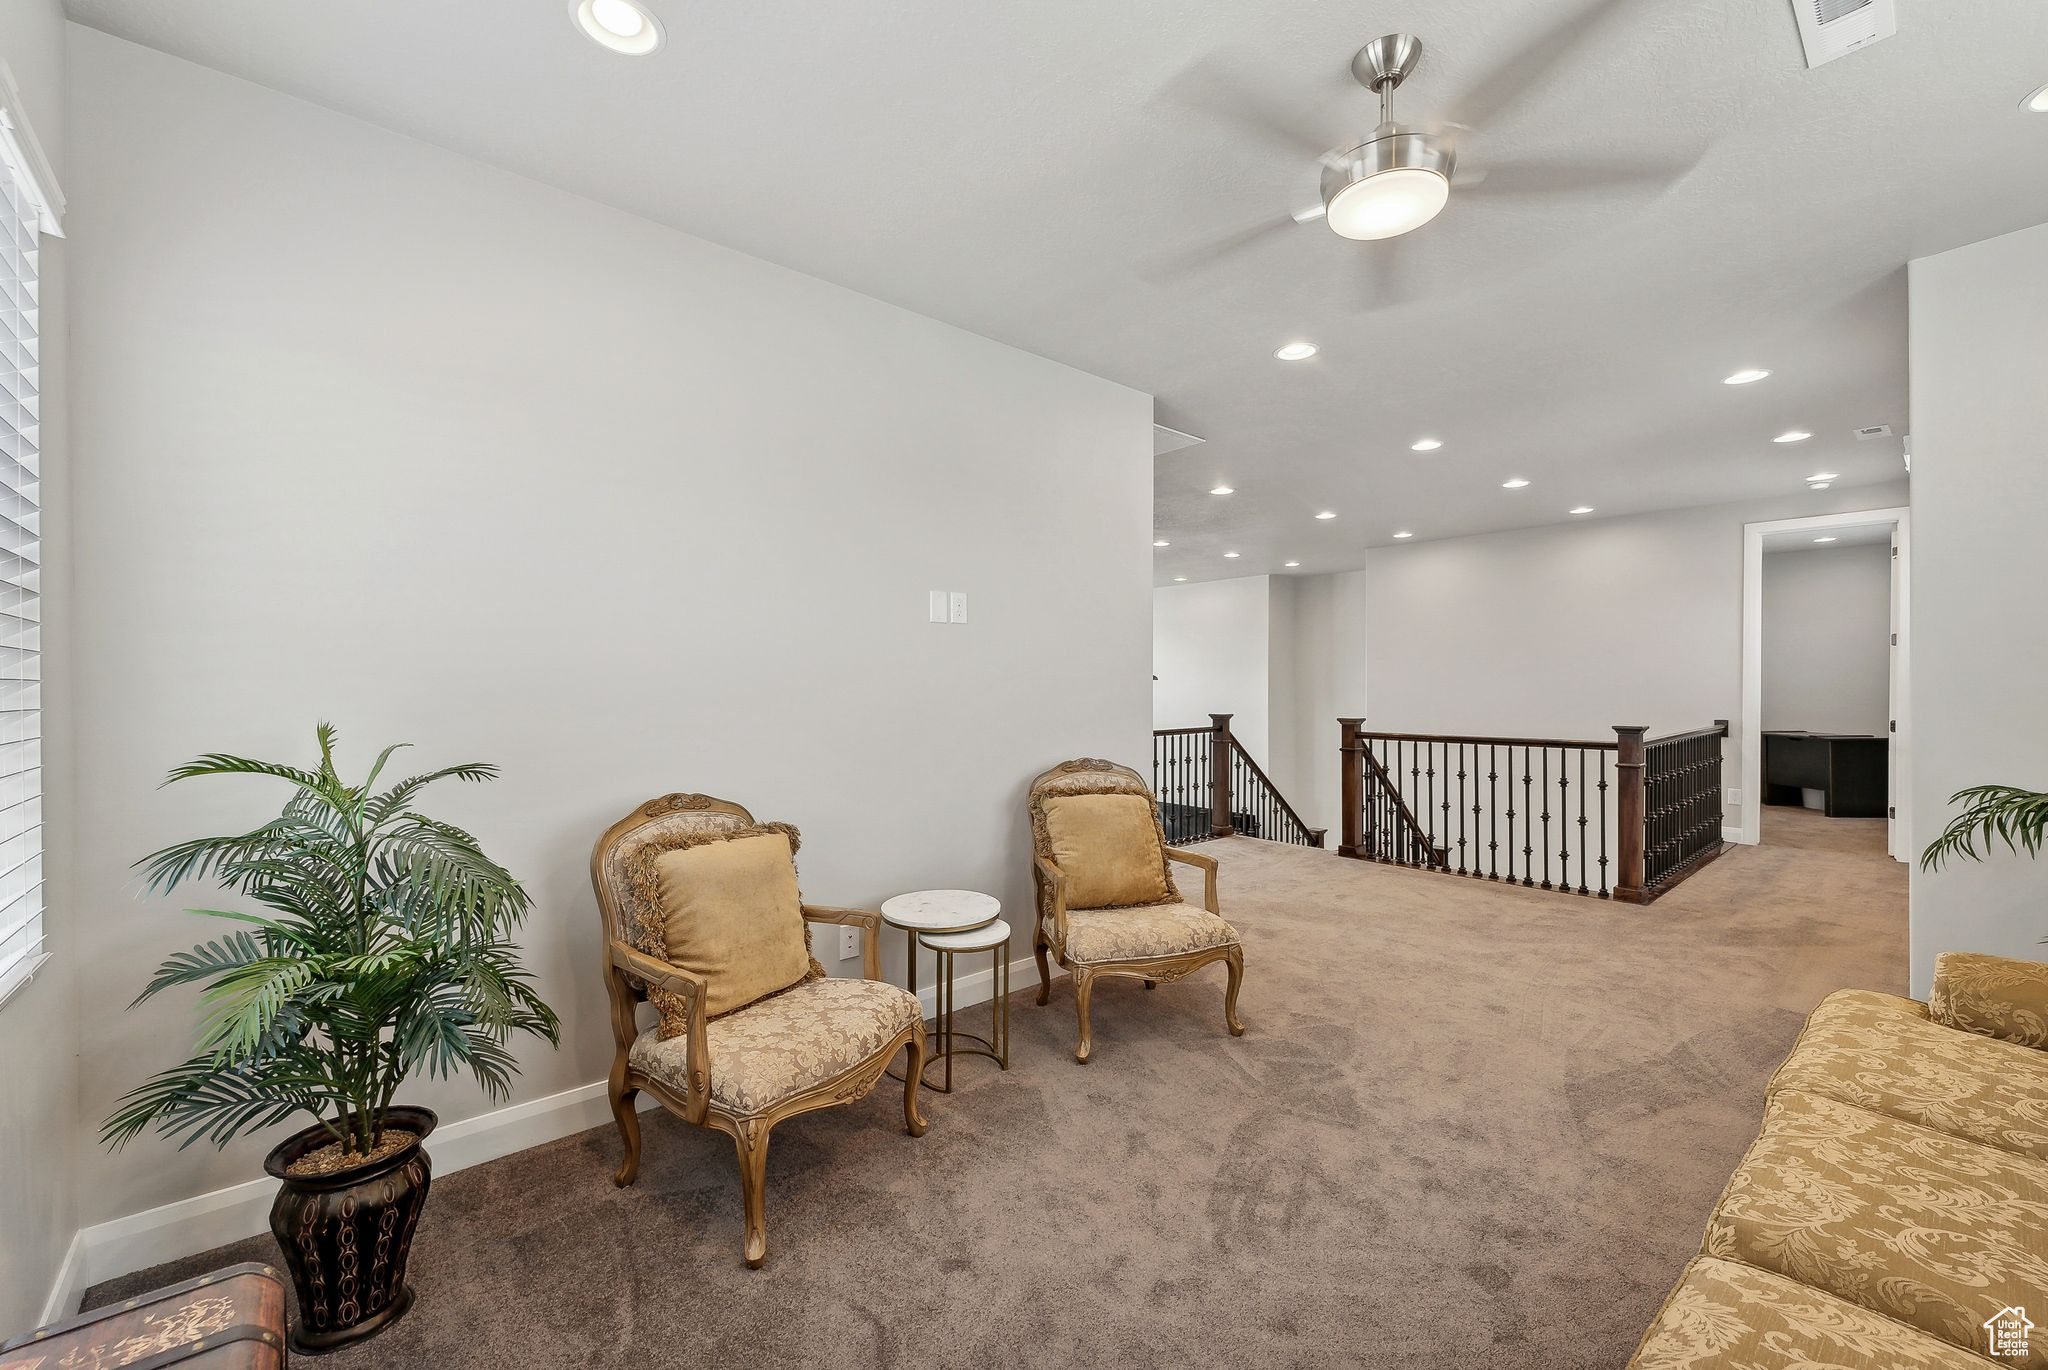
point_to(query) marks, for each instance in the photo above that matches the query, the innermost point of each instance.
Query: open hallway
(1466, 1126)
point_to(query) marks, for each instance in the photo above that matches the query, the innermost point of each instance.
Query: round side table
(936, 912)
(990, 937)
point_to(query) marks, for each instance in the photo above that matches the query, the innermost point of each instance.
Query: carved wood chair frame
(1089, 775)
(627, 974)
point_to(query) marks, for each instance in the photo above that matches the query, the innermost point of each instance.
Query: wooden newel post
(1629, 812)
(1352, 767)
(1219, 776)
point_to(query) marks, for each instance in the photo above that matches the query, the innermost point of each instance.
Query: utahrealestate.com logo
(2008, 1329)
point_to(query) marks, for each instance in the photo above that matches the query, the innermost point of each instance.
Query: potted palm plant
(1991, 814)
(380, 947)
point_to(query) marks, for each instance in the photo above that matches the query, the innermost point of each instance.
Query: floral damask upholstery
(1137, 931)
(1865, 1049)
(779, 1046)
(1934, 1231)
(1992, 995)
(1724, 1315)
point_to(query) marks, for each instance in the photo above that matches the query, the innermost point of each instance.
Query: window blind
(21, 689)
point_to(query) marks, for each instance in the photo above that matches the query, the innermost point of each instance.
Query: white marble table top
(941, 910)
(987, 937)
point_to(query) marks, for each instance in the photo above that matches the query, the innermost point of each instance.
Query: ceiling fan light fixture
(1389, 185)
(2036, 102)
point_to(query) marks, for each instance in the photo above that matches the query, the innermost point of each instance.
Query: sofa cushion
(1898, 1219)
(779, 1046)
(1727, 1316)
(1996, 996)
(1882, 1057)
(1108, 847)
(729, 911)
(1135, 933)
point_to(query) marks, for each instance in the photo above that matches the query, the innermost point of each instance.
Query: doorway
(1826, 699)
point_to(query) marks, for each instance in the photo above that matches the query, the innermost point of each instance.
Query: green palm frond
(383, 949)
(1992, 814)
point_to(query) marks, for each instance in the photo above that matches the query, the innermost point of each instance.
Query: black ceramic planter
(346, 1236)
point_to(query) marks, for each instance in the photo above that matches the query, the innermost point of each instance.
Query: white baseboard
(70, 1286)
(108, 1250)
(1731, 835)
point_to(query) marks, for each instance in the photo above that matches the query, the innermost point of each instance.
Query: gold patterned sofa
(1893, 1212)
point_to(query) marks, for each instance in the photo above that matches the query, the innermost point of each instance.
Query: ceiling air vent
(1876, 430)
(1829, 28)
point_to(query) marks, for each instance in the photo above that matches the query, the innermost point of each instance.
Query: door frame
(1753, 535)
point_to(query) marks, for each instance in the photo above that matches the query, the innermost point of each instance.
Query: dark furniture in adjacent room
(1851, 771)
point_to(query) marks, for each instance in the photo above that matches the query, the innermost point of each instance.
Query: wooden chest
(232, 1319)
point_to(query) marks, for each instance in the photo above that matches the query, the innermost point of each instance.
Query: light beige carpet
(1468, 1126)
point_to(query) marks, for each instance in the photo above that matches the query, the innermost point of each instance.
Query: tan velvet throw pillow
(1994, 996)
(1107, 845)
(730, 912)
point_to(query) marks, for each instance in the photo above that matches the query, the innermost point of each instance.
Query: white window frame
(31, 208)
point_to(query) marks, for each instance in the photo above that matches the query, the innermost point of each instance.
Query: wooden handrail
(1719, 729)
(1416, 831)
(1470, 740)
(1278, 798)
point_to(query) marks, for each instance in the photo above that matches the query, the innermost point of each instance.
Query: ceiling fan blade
(1384, 284)
(1564, 176)
(1206, 89)
(1217, 249)
(1510, 80)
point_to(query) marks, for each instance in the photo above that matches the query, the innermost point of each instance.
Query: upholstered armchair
(1107, 901)
(703, 920)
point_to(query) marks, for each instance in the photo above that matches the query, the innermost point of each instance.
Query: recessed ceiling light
(1230, 556)
(621, 25)
(1223, 490)
(1295, 351)
(1425, 445)
(2036, 103)
(1793, 435)
(1161, 542)
(1823, 539)
(1746, 376)
(1179, 579)
(1515, 484)
(1404, 534)
(1823, 475)
(1582, 509)
(1292, 564)
(1818, 485)
(1327, 514)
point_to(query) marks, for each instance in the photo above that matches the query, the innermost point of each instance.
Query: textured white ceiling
(1042, 173)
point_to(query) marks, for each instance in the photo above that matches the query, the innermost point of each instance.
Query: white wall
(1325, 680)
(1827, 639)
(39, 1141)
(1211, 649)
(373, 433)
(1569, 629)
(1979, 350)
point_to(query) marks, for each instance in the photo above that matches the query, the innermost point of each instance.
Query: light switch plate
(940, 607)
(849, 943)
(1735, 796)
(959, 606)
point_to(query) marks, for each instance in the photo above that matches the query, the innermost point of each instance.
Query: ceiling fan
(1401, 176)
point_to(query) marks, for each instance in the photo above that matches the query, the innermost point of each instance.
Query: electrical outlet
(849, 943)
(940, 607)
(958, 608)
